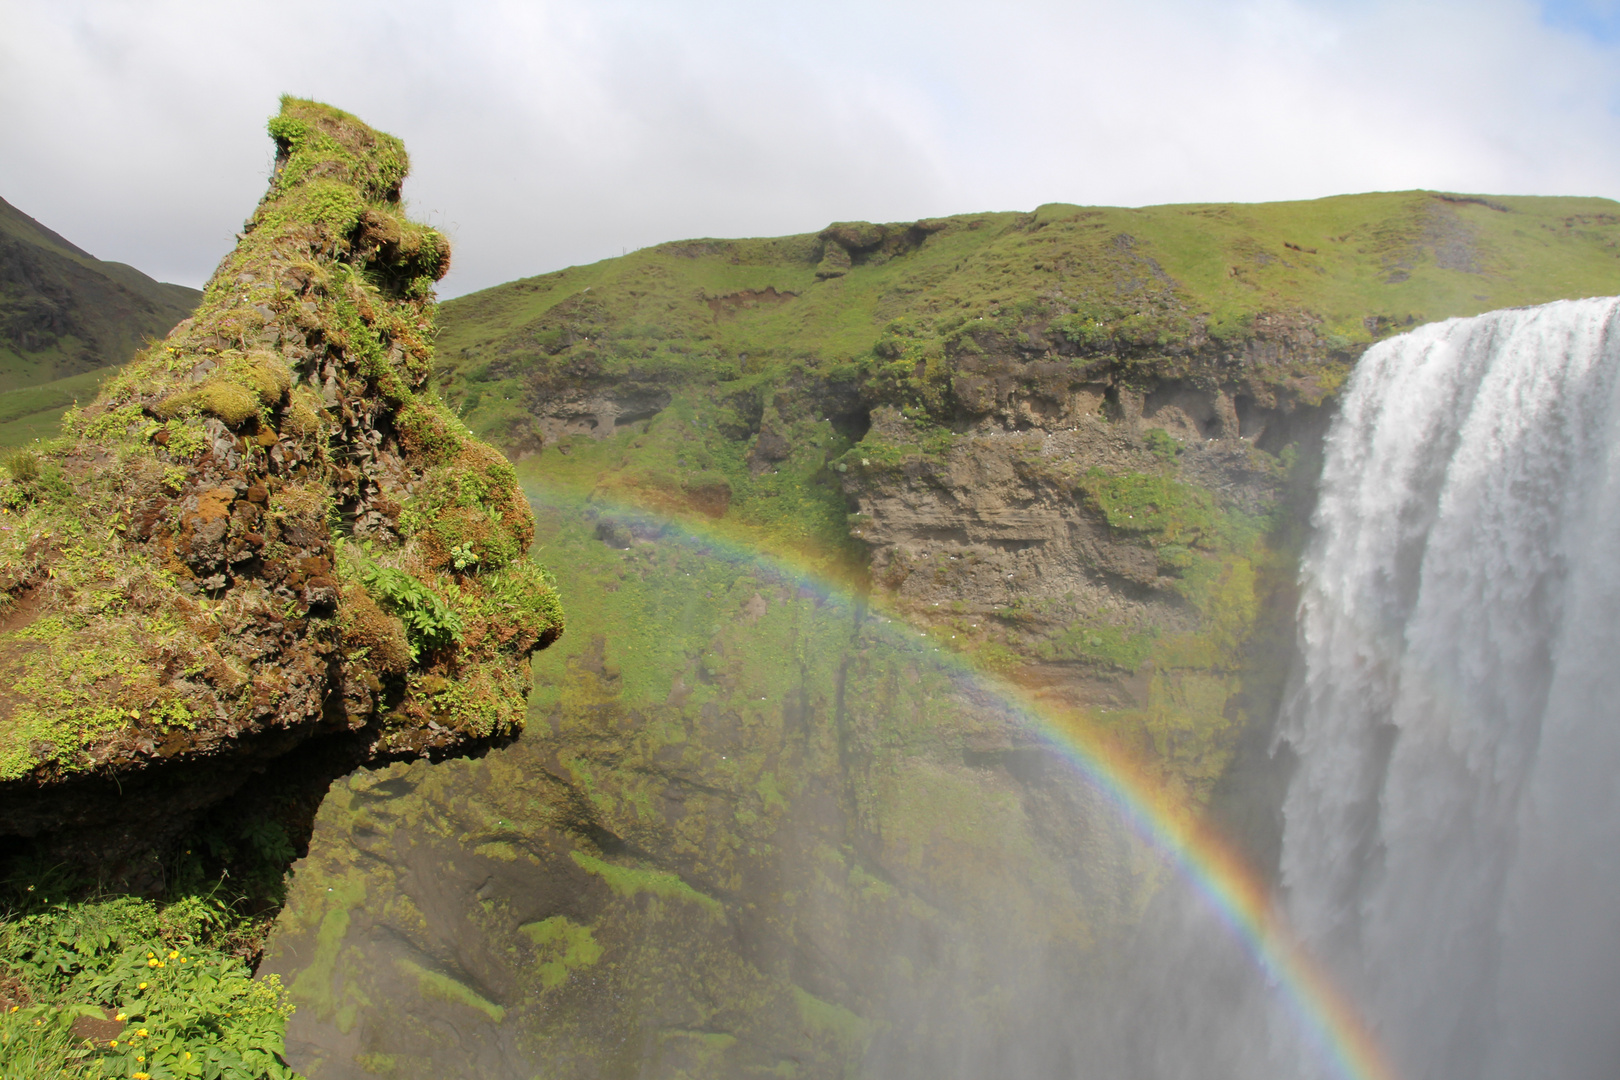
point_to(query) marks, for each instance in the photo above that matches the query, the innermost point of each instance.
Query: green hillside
(1074, 444)
(813, 503)
(1213, 287)
(64, 312)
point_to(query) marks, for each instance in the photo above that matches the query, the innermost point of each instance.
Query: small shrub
(1162, 443)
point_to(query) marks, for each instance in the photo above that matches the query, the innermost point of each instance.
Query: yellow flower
(141, 1033)
(188, 1055)
(150, 955)
(173, 955)
(112, 1044)
(151, 963)
(140, 1076)
(141, 987)
(140, 1057)
(120, 1016)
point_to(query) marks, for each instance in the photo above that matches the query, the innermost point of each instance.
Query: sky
(547, 133)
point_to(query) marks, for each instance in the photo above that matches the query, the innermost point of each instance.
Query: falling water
(1452, 836)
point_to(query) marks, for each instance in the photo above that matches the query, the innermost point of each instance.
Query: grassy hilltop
(1199, 287)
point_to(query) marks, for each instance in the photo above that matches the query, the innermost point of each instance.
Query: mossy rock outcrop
(265, 528)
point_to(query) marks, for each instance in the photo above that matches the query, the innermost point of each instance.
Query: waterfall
(1452, 830)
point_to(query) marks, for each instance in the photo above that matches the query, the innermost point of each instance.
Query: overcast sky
(544, 134)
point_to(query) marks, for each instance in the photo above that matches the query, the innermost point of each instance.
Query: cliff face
(1073, 442)
(264, 529)
(765, 818)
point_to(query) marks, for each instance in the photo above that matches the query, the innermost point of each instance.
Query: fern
(430, 623)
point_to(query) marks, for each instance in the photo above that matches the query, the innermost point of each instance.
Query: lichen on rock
(268, 526)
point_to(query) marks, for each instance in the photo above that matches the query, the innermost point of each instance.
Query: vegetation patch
(628, 881)
(563, 945)
(123, 987)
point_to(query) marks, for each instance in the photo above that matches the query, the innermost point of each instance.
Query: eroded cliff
(830, 511)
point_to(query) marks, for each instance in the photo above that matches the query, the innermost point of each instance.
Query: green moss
(441, 987)
(429, 431)
(851, 1033)
(1161, 510)
(315, 982)
(230, 401)
(630, 881)
(563, 946)
(377, 1064)
(1114, 646)
(85, 674)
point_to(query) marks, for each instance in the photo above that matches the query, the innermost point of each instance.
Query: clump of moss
(366, 626)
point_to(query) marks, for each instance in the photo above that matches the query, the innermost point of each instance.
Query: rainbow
(1331, 1025)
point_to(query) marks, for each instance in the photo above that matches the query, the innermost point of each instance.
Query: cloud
(550, 133)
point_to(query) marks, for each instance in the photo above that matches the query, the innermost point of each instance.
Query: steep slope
(759, 826)
(64, 312)
(1062, 437)
(265, 528)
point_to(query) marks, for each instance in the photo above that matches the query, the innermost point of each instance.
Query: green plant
(23, 466)
(164, 998)
(430, 623)
(1162, 443)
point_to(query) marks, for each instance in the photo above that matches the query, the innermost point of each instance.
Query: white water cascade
(1451, 845)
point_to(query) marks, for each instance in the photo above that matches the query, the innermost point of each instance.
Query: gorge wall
(766, 818)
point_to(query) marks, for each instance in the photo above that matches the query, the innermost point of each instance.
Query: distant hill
(65, 314)
(921, 313)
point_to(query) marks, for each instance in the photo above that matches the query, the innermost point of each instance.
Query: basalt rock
(266, 528)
